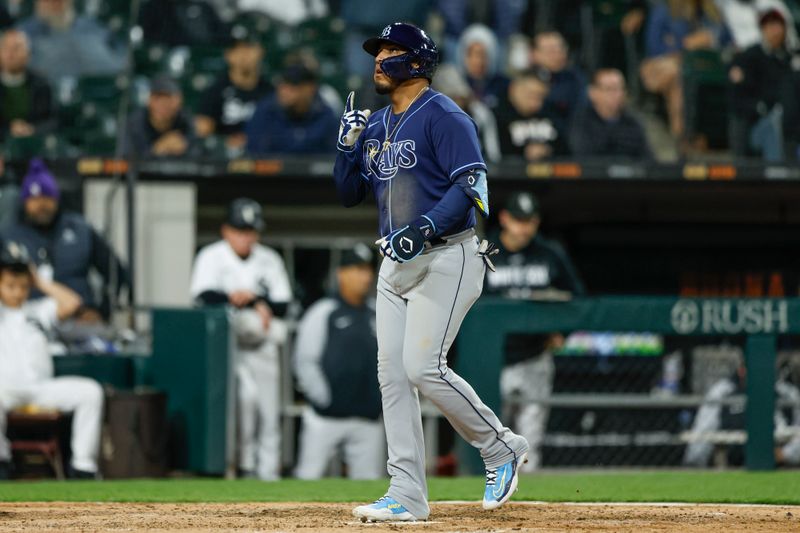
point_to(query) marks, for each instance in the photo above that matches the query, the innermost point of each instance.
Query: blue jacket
(73, 248)
(272, 130)
(665, 35)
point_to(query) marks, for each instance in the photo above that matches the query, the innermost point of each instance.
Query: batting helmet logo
(419, 62)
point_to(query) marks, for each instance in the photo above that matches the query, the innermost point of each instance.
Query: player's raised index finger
(348, 105)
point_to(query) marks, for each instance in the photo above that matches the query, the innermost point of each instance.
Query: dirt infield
(83, 517)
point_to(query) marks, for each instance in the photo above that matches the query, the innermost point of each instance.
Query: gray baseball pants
(420, 307)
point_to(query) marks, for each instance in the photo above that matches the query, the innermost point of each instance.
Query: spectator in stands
(567, 83)
(451, 83)
(337, 371)
(673, 28)
(181, 22)
(290, 13)
(251, 279)
(742, 20)
(765, 85)
(713, 416)
(231, 101)
(605, 128)
(26, 367)
(64, 246)
(502, 16)
(295, 120)
(528, 127)
(479, 62)
(26, 105)
(65, 43)
(163, 128)
(529, 267)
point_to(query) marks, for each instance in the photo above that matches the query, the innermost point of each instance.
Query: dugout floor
(307, 518)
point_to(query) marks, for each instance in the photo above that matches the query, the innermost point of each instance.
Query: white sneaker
(385, 509)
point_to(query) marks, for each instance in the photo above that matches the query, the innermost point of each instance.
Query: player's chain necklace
(389, 134)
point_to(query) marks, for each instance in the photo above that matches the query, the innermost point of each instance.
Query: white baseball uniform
(26, 378)
(218, 269)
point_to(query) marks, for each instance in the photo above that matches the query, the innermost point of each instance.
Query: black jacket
(769, 78)
(591, 136)
(516, 131)
(73, 248)
(42, 111)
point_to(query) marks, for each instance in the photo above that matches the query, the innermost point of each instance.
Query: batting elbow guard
(475, 186)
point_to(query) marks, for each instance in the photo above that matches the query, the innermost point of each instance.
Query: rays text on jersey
(383, 163)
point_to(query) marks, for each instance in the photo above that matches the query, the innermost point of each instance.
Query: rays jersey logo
(384, 163)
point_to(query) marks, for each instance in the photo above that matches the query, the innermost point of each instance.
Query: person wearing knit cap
(479, 63)
(63, 245)
(336, 369)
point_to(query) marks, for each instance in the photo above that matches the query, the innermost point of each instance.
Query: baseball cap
(164, 84)
(522, 205)
(243, 33)
(14, 256)
(298, 73)
(359, 254)
(770, 14)
(39, 181)
(245, 213)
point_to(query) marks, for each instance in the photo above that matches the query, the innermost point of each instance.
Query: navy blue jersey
(430, 146)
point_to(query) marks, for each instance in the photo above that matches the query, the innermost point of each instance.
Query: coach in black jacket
(604, 128)
(26, 106)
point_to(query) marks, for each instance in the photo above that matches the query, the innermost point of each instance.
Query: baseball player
(26, 366)
(336, 370)
(252, 280)
(529, 266)
(421, 159)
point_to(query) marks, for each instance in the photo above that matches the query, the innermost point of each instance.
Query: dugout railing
(482, 340)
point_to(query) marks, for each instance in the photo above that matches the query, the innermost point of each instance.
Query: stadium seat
(149, 59)
(17, 148)
(705, 102)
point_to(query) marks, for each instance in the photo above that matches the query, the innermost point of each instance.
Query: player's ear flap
(348, 105)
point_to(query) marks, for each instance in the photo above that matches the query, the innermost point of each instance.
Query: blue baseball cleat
(501, 482)
(385, 509)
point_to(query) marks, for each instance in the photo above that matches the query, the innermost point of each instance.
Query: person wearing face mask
(251, 280)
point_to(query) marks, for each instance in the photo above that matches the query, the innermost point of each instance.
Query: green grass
(716, 487)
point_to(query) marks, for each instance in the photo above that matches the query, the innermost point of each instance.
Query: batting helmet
(421, 50)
